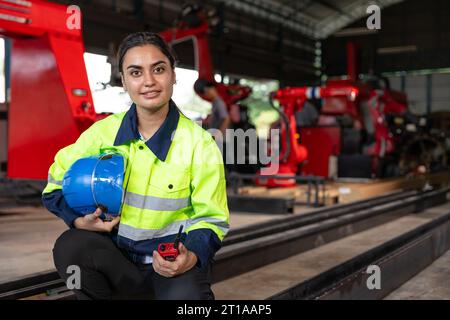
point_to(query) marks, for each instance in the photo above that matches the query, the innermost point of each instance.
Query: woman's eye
(159, 69)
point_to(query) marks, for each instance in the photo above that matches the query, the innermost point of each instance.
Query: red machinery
(351, 126)
(43, 118)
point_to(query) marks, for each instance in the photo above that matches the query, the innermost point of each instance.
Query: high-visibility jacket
(175, 178)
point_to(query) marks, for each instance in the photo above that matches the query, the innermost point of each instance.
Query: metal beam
(354, 10)
(264, 12)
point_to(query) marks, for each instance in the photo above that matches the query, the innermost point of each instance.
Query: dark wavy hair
(143, 38)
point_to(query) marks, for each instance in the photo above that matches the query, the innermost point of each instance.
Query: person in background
(219, 118)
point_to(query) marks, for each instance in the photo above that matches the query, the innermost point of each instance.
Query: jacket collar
(160, 142)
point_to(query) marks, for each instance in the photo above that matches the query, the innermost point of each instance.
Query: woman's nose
(149, 79)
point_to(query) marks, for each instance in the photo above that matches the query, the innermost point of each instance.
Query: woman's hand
(92, 222)
(185, 261)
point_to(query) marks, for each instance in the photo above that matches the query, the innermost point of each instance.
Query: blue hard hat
(95, 182)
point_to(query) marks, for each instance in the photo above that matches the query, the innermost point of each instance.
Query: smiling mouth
(151, 94)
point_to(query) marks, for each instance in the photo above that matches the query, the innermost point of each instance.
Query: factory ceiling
(294, 41)
(316, 19)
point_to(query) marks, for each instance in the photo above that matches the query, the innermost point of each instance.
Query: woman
(175, 178)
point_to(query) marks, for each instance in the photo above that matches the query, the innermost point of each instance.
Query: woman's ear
(123, 82)
(174, 78)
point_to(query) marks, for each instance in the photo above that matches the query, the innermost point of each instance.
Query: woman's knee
(73, 246)
(193, 285)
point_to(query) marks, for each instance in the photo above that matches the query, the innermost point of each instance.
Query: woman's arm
(210, 220)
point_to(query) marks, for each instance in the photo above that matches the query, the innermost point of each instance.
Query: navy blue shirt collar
(161, 140)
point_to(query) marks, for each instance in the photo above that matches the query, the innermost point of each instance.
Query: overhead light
(354, 32)
(395, 50)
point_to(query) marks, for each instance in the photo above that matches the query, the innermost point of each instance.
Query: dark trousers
(107, 273)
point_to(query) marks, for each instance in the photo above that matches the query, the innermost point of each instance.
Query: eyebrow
(140, 67)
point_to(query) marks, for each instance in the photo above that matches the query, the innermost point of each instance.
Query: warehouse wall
(426, 93)
(423, 24)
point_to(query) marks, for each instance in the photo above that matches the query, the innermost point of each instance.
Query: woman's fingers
(162, 266)
(181, 248)
(158, 259)
(116, 220)
(93, 216)
(97, 212)
(110, 224)
(163, 271)
(92, 222)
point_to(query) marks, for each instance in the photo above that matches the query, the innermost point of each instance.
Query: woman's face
(148, 77)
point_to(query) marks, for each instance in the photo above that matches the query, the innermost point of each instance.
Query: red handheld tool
(169, 251)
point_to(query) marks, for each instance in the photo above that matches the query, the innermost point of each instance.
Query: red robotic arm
(50, 102)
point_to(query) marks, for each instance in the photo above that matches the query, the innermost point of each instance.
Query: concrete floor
(27, 235)
(266, 281)
(433, 283)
